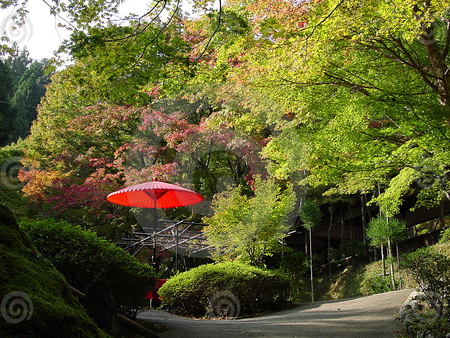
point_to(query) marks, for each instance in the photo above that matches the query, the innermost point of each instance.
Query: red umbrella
(155, 195)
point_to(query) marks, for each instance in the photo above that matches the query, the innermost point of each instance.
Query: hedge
(246, 289)
(83, 257)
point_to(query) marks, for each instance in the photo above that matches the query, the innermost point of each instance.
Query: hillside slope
(35, 297)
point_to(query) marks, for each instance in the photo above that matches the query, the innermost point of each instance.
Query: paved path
(365, 317)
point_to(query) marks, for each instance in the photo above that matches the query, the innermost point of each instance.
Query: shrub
(254, 290)
(379, 284)
(295, 265)
(430, 269)
(36, 301)
(445, 236)
(83, 257)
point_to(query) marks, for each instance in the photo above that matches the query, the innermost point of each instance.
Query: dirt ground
(365, 317)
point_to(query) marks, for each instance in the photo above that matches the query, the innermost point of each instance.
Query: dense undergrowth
(83, 257)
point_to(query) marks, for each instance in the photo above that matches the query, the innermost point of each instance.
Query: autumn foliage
(333, 97)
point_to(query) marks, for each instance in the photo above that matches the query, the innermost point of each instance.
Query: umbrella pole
(176, 248)
(155, 221)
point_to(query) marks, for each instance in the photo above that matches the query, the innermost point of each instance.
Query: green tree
(7, 114)
(311, 216)
(27, 95)
(359, 92)
(18, 61)
(76, 165)
(385, 231)
(248, 228)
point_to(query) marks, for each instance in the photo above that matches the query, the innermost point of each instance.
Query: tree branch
(447, 38)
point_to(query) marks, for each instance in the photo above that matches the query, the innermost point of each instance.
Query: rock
(411, 317)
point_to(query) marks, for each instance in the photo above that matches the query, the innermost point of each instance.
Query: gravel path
(364, 317)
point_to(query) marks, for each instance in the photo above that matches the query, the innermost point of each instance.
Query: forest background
(257, 103)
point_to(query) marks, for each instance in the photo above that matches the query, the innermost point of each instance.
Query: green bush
(430, 269)
(445, 236)
(36, 300)
(253, 290)
(295, 265)
(379, 284)
(83, 257)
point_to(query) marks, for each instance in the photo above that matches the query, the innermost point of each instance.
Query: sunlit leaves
(246, 229)
(382, 230)
(356, 87)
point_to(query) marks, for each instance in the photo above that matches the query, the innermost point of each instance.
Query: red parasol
(155, 195)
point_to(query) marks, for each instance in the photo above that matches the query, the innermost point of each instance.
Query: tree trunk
(438, 65)
(364, 227)
(398, 267)
(391, 264)
(311, 265)
(383, 263)
(329, 240)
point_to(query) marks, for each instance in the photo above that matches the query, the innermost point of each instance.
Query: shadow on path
(364, 317)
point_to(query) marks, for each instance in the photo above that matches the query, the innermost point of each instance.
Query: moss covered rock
(35, 297)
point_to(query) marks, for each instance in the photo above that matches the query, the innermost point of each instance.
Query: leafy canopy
(248, 228)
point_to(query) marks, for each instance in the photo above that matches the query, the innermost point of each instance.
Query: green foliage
(445, 236)
(54, 311)
(390, 201)
(381, 230)
(30, 89)
(10, 185)
(82, 257)
(6, 111)
(248, 228)
(352, 93)
(295, 265)
(357, 281)
(349, 96)
(430, 269)
(379, 284)
(439, 328)
(257, 290)
(23, 86)
(310, 214)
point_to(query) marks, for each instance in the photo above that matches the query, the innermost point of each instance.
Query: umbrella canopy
(155, 195)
